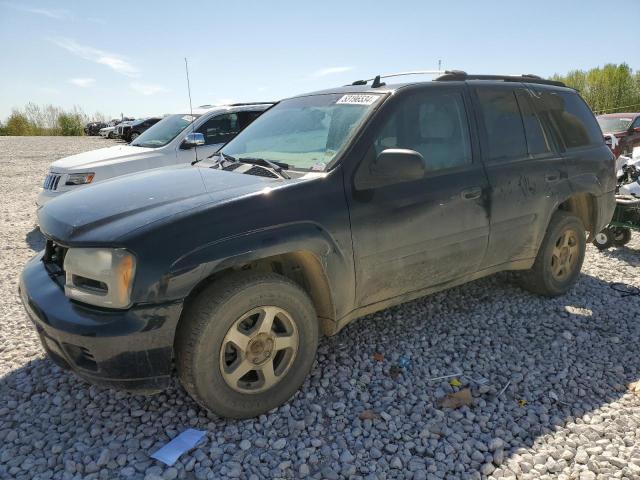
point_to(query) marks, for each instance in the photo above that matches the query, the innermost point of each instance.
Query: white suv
(168, 142)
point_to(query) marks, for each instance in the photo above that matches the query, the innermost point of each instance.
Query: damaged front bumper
(126, 349)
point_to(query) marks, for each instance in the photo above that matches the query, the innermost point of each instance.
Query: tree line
(36, 120)
(608, 89)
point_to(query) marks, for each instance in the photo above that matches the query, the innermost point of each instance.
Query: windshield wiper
(278, 167)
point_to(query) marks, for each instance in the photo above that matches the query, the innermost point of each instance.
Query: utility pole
(439, 65)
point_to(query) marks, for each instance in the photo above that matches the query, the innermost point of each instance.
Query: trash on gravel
(457, 399)
(179, 445)
(368, 415)
(454, 382)
(378, 357)
(443, 377)
(404, 362)
(522, 402)
(504, 388)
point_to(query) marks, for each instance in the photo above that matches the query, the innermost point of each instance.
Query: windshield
(613, 124)
(164, 131)
(303, 132)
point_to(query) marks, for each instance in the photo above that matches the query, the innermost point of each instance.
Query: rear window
(502, 121)
(571, 117)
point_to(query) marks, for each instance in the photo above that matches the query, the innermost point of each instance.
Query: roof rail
(377, 83)
(235, 104)
(526, 78)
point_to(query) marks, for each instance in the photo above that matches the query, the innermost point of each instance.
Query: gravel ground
(549, 380)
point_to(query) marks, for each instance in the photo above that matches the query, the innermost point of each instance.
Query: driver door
(415, 234)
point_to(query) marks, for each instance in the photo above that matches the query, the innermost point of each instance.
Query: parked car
(166, 143)
(139, 126)
(330, 206)
(107, 132)
(92, 128)
(623, 130)
(123, 128)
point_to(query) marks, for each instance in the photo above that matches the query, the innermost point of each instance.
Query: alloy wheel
(259, 349)
(565, 255)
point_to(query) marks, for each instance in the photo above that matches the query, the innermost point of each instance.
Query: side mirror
(192, 140)
(392, 166)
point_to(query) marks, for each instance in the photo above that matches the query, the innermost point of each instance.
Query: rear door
(415, 234)
(525, 169)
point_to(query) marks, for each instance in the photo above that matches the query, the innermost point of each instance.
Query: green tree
(18, 124)
(70, 125)
(608, 89)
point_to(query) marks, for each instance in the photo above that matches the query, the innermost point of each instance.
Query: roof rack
(377, 83)
(525, 77)
(459, 75)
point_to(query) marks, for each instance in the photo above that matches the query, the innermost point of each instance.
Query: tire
(621, 236)
(559, 260)
(216, 315)
(111, 135)
(603, 239)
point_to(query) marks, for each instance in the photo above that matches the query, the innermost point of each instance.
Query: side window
(538, 141)
(503, 124)
(220, 129)
(435, 125)
(247, 117)
(636, 123)
(572, 118)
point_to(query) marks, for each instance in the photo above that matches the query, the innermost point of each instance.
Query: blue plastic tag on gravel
(179, 445)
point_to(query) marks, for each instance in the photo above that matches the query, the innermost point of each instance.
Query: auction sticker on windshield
(357, 99)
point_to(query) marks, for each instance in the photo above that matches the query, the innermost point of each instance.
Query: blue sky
(128, 57)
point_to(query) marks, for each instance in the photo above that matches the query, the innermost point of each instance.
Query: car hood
(100, 157)
(108, 210)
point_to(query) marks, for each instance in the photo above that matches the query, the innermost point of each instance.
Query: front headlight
(100, 276)
(80, 178)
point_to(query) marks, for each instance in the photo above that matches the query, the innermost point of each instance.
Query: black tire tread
(533, 279)
(198, 314)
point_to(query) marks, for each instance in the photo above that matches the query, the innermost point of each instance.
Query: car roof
(239, 107)
(619, 115)
(389, 88)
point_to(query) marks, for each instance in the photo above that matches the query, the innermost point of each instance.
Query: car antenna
(186, 68)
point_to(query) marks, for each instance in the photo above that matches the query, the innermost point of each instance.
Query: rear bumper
(129, 349)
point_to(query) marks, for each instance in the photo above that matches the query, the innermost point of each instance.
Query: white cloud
(323, 72)
(111, 60)
(147, 89)
(45, 12)
(82, 82)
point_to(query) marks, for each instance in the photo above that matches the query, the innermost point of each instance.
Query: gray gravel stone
(577, 421)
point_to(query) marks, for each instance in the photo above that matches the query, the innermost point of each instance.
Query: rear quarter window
(571, 116)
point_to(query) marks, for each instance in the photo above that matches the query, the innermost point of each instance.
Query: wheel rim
(259, 349)
(600, 238)
(565, 255)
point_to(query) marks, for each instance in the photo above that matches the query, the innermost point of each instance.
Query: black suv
(329, 206)
(138, 127)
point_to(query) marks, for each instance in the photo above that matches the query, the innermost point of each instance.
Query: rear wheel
(559, 258)
(246, 344)
(621, 236)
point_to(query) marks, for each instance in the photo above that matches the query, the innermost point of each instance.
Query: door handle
(551, 177)
(471, 193)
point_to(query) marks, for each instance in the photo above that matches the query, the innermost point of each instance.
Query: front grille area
(51, 181)
(53, 258)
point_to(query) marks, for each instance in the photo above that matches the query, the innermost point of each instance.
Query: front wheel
(246, 343)
(621, 236)
(603, 239)
(559, 258)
